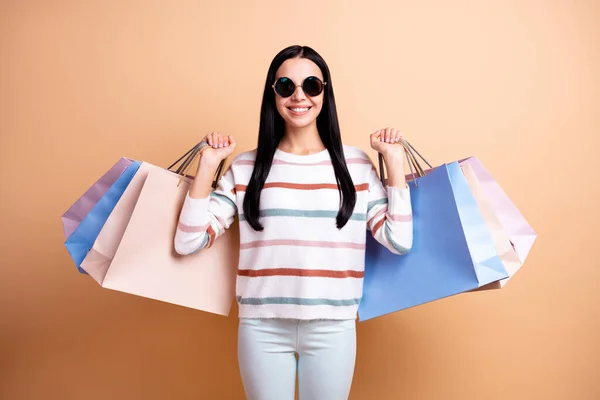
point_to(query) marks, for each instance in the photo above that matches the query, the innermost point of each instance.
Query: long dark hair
(272, 129)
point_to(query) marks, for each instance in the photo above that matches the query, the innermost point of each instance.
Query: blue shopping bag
(453, 250)
(83, 237)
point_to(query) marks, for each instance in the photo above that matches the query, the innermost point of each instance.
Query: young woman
(304, 202)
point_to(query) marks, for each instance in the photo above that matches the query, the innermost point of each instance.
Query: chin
(300, 124)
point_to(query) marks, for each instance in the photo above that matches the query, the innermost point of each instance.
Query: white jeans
(267, 350)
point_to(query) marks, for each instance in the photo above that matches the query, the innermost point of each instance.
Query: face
(299, 110)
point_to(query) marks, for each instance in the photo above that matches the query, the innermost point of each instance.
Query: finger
(231, 140)
(220, 140)
(225, 139)
(209, 139)
(375, 135)
(397, 136)
(388, 133)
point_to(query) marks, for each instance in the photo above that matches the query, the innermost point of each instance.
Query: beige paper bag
(505, 249)
(145, 262)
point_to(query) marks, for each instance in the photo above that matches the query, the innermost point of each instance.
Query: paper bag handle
(190, 157)
(416, 169)
(187, 158)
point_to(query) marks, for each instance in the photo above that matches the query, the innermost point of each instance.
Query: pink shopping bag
(513, 236)
(75, 214)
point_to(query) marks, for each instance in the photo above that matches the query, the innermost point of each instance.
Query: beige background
(513, 82)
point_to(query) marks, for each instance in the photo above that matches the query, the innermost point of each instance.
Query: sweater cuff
(399, 200)
(194, 210)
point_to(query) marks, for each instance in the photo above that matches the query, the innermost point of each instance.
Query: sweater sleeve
(202, 221)
(389, 215)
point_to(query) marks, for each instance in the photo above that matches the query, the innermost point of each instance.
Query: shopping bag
(75, 214)
(135, 251)
(145, 263)
(453, 250)
(512, 234)
(98, 259)
(81, 240)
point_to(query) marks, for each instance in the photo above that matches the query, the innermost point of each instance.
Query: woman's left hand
(387, 142)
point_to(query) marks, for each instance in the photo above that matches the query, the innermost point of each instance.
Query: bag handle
(188, 159)
(416, 169)
(413, 152)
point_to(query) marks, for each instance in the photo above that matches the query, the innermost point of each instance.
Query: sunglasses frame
(297, 86)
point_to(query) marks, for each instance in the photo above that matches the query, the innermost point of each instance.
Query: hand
(221, 147)
(387, 142)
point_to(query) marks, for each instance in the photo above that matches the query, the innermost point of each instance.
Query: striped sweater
(301, 266)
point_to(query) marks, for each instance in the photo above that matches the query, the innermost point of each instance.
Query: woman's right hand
(221, 147)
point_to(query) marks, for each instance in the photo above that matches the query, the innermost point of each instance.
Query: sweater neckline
(302, 158)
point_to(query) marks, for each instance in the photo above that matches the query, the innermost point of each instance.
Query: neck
(303, 141)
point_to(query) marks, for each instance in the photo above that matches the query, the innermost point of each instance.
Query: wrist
(208, 163)
(393, 160)
(394, 164)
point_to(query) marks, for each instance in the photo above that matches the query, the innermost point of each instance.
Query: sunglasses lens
(284, 87)
(312, 86)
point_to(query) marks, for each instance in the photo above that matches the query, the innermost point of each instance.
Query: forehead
(297, 69)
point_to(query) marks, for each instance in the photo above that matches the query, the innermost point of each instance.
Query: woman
(304, 202)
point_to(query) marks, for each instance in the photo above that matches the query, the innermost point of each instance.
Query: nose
(298, 94)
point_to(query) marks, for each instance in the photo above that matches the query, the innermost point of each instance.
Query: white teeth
(299, 109)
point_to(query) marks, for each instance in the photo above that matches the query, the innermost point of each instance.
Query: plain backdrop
(514, 82)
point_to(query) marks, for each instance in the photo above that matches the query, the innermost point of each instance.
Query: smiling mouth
(299, 110)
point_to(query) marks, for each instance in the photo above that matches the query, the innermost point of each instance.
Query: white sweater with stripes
(301, 266)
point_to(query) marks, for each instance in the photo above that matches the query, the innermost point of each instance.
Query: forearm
(394, 165)
(202, 184)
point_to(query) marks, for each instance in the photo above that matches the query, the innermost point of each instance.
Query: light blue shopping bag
(453, 250)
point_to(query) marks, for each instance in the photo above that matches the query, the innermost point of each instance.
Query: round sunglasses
(312, 86)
